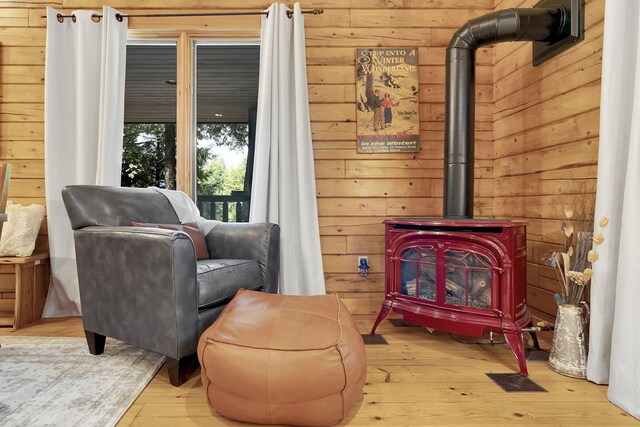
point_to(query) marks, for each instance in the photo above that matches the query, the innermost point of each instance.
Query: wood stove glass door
(418, 272)
(468, 278)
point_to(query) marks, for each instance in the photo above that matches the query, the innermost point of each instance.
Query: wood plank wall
(552, 108)
(22, 104)
(546, 127)
(357, 191)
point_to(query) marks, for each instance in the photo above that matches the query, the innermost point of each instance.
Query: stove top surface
(458, 222)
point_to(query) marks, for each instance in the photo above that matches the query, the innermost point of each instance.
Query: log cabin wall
(22, 42)
(357, 191)
(546, 127)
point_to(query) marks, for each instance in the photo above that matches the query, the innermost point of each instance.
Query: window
(226, 87)
(216, 122)
(149, 149)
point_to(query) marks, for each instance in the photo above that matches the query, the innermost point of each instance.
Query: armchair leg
(181, 369)
(95, 342)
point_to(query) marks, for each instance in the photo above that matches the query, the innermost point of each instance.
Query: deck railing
(233, 208)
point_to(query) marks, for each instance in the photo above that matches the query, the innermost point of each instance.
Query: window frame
(187, 32)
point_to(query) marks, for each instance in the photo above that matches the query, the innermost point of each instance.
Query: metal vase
(569, 347)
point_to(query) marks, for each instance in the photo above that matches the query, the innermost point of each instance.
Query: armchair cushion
(220, 279)
(193, 231)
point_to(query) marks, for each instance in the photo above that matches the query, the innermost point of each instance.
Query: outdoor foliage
(234, 136)
(213, 176)
(149, 153)
(143, 156)
(220, 179)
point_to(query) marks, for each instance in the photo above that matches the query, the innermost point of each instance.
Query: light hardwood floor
(419, 379)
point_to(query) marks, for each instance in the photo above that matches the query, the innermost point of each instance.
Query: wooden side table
(24, 283)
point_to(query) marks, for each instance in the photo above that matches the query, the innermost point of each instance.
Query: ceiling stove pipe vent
(547, 25)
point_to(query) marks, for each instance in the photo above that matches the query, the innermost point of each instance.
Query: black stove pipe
(501, 26)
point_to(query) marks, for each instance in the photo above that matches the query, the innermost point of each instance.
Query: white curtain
(284, 188)
(84, 118)
(614, 349)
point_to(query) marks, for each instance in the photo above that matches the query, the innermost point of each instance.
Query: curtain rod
(96, 17)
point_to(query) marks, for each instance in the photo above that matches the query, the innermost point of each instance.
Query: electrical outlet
(363, 265)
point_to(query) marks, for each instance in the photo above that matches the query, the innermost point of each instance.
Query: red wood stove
(459, 274)
(462, 276)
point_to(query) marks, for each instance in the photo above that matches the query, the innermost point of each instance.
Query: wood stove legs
(516, 343)
(514, 339)
(386, 308)
(534, 337)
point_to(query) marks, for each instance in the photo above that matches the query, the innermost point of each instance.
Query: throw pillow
(193, 231)
(20, 231)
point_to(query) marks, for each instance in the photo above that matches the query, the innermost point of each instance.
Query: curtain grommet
(96, 18)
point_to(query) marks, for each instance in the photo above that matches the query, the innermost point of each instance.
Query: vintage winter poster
(387, 100)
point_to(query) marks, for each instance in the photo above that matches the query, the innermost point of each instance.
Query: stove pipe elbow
(501, 26)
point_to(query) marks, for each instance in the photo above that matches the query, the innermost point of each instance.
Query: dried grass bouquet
(573, 266)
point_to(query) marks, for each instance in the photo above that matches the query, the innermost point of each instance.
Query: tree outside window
(149, 159)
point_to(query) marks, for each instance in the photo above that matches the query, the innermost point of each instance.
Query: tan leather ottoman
(277, 359)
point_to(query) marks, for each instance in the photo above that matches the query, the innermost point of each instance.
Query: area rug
(56, 382)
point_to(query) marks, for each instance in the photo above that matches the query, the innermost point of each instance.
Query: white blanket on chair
(186, 209)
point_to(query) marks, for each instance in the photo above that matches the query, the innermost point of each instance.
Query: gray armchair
(144, 286)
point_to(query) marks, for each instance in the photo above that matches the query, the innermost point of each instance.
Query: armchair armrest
(241, 240)
(141, 286)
